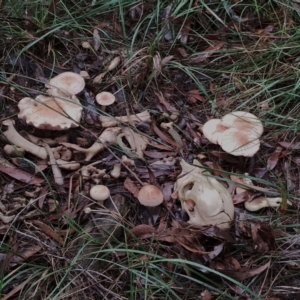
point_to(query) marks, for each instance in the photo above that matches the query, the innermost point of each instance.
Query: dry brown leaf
(131, 187)
(26, 254)
(18, 174)
(273, 159)
(208, 52)
(185, 30)
(48, 231)
(163, 136)
(158, 154)
(169, 107)
(242, 275)
(143, 229)
(291, 146)
(194, 96)
(160, 146)
(243, 197)
(96, 37)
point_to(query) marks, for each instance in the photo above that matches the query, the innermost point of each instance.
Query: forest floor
(180, 62)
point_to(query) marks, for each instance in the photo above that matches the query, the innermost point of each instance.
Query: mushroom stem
(113, 121)
(16, 139)
(58, 178)
(108, 137)
(262, 202)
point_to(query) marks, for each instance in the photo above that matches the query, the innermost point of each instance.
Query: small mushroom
(262, 202)
(150, 195)
(68, 165)
(113, 121)
(99, 193)
(105, 99)
(128, 162)
(213, 129)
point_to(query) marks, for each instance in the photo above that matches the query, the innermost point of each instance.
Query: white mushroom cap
(99, 192)
(212, 129)
(69, 82)
(48, 113)
(238, 142)
(105, 98)
(243, 121)
(150, 195)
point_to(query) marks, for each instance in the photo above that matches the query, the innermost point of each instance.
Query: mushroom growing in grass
(105, 99)
(99, 193)
(237, 133)
(213, 129)
(150, 195)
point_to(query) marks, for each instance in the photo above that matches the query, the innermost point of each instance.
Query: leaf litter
(63, 211)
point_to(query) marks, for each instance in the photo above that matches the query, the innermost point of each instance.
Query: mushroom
(206, 201)
(213, 129)
(99, 193)
(107, 137)
(137, 142)
(113, 121)
(239, 143)
(116, 171)
(50, 142)
(46, 112)
(16, 139)
(261, 202)
(69, 83)
(14, 151)
(68, 165)
(150, 195)
(105, 99)
(237, 133)
(128, 162)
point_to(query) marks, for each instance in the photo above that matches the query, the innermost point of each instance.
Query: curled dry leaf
(273, 159)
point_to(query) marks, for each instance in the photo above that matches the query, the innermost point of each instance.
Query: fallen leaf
(96, 37)
(18, 174)
(131, 187)
(26, 254)
(194, 96)
(143, 229)
(158, 154)
(242, 275)
(163, 136)
(273, 159)
(185, 30)
(208, 52)
(290, 145)
(164, 102)
(48, 231)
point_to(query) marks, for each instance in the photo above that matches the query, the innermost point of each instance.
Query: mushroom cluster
(60, 109)
(237, 133)
(206, 201)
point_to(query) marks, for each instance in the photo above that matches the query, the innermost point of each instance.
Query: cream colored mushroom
(262, 202)
(213, 129)
(137, 142)
(99, 193)
(107, 137)
(14, 151)
(113, 121)
(206, 201)
(105, 99)
(46, 112)
(69, 83)
(16, 139)
(116, 171)
(150, 195)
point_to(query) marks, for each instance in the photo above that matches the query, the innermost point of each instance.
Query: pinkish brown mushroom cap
(150, 195)
(105, 98)
(212, 129)
(45, 112)
(69, 83)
